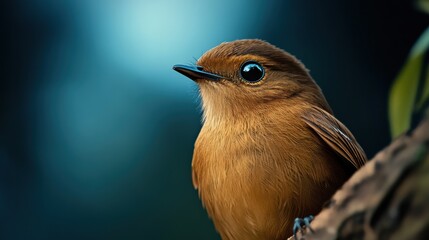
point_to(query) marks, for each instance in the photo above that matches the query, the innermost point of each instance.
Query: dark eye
(252, 71)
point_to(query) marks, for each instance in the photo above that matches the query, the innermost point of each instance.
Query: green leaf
(425, 93)
(403, 94)
(423, 5)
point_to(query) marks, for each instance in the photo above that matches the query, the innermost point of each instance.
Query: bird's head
(243, 75)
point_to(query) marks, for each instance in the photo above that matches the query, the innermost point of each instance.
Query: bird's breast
(245, 179)
(255, 178)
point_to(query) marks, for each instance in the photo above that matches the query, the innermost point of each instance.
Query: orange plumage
(270, 149)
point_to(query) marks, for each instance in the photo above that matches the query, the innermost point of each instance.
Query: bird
(269, 148)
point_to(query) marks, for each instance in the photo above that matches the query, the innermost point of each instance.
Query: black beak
(196, 72)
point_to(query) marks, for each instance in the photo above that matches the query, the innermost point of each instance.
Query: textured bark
(388, 198)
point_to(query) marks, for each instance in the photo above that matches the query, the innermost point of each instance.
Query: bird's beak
(196, 72)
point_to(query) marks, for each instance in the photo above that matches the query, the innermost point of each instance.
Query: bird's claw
(300, 223)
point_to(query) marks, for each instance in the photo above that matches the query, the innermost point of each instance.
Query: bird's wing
(336, 135)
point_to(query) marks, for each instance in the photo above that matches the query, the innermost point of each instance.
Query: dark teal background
(97, 131)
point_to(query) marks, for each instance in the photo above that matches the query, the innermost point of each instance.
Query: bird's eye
(252, 72)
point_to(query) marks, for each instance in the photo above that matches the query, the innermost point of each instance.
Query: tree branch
(388, 198)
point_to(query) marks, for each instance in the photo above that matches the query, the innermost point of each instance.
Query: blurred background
(97, 131)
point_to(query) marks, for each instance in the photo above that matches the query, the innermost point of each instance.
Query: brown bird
(270, 148)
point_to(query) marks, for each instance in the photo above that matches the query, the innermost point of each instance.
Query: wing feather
(336, 135)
